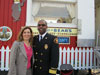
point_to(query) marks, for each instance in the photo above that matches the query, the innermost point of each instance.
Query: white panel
(76, 55)
(87, 15)
(68, 55)
(87, 62)
(7, 58)
(2, 58)
(29, 12)
(72, 56)
(91, 57)
(80, 58)
(83, 58)
(64, 56)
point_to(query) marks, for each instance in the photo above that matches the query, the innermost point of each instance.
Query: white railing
(78, 58)
(4, 60)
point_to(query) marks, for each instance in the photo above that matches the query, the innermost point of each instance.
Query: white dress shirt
(42, 36)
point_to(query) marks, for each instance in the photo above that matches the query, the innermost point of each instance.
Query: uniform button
(40, 60)
(40, 67)
(36, 53)
(41, 54)
(35, 66)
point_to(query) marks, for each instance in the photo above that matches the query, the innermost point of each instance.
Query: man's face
(42, 27)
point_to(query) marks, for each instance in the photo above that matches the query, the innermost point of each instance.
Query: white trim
(30, 19)
(29, 12)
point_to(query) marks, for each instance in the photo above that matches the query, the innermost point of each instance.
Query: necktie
(40, 38)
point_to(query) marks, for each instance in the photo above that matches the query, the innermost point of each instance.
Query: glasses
(41, 25)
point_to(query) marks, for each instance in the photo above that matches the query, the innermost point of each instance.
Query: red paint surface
(6, 19)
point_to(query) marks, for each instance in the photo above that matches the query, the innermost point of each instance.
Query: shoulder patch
(56, 40)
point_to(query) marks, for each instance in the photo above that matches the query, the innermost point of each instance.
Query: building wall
(86, 16)
(7, 20)
(85, 12)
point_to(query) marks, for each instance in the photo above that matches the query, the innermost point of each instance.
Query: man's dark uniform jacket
(46, 53)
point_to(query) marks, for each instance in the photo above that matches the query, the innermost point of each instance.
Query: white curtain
(71, 10)
(35, 8)
(52, 5)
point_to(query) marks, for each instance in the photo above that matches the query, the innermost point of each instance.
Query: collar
(43, 35)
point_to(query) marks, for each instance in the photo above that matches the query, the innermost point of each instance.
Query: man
(46, 51)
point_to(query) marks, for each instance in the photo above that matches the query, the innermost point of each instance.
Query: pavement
(3, 72)
(76, 72)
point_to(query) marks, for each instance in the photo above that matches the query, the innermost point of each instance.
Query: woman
(21, 57)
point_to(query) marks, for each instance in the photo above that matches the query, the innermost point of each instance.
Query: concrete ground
(3, 72)
(80, 72)
(96, 71)
(86, 72)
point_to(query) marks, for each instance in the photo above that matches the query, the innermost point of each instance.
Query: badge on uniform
(56, 40)
(46, 46)
(46, 38)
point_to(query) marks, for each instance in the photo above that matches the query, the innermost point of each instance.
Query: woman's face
(26, 34)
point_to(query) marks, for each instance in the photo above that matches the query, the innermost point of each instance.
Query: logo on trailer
(5, 33)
